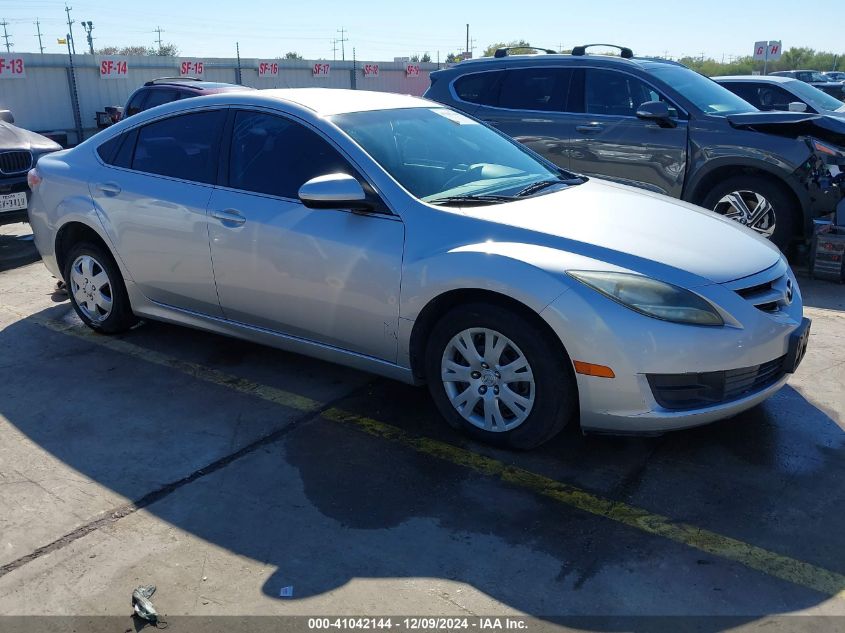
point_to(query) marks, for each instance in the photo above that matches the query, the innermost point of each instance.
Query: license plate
(13, 201)
(797, 346)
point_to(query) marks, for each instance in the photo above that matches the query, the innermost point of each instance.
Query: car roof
(192, 83)
(561, 58)
(329, 101)
(762, 78)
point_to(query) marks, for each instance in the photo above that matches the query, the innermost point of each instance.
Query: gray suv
(660, 126)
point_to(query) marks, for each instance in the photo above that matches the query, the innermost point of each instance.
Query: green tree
(293, 55)
(415, 58)
(426, 58)
(453, 58)
(490, 50)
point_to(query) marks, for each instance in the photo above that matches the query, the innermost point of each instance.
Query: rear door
(152, 193)
(529, 104)
(611, 142)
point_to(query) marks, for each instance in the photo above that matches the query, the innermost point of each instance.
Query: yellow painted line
(757, 558)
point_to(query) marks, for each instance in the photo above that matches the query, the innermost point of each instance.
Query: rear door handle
(229, 217)
(592, 128)
(109, 188)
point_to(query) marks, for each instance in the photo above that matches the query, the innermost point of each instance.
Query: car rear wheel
(757, 203)
(96, 289)
(497, 377)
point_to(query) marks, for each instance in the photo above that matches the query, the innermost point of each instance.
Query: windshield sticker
(454, 117)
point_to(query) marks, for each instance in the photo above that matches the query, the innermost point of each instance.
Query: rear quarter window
(481, 88)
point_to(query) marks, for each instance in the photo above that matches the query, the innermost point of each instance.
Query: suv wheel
(757, 203)
(493, 375)
(96, 289)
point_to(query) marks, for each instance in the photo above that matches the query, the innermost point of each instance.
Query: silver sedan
(401, 237)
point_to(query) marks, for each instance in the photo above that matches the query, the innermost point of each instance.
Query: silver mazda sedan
(401, 237)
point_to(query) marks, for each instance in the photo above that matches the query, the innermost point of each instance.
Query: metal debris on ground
(143, 608)
(286, 592)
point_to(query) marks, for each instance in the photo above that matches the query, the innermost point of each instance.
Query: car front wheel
(499, 377)
(757, 203)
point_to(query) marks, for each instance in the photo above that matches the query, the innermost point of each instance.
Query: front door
(611, 142)
(326, 275)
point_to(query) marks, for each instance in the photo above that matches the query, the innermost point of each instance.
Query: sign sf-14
(114, 68)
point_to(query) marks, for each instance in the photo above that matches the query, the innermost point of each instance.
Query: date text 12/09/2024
(418, 623)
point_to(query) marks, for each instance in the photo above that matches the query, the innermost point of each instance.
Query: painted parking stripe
(771, 563)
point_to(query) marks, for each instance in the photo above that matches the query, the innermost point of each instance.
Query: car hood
(792, 125)
(637, 230)
(13, 137)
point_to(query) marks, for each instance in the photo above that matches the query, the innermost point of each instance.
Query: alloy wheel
(750, 209)
(488, 379)
(91, 288)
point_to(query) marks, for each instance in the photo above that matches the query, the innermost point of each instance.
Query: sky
(382, 29)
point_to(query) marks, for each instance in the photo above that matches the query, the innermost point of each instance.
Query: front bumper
(597, 330)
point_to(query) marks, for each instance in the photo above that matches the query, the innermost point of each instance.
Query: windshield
(819, 99)
(438, 153)
(706, 94)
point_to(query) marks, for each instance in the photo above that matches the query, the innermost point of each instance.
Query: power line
(342, 40)
(4, 24)
(40, 45)
(70, 24)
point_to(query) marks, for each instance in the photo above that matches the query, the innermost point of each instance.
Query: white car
(398, 236)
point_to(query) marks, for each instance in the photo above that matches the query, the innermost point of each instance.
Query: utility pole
(70, 29)
(88, 27)
(158, 30)
(4, 24)
(334, 50)
(342, 40)
(238, 71)
(467, 48)
(40, 45)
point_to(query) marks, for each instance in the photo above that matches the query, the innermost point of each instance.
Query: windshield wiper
(471, 199)
(534, 187)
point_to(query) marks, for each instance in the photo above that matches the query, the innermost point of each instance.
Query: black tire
(784, 206)
(556, 392)
(120, 318)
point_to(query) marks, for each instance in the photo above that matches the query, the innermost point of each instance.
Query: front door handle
(229, 217)
(592, 128)
(109, 188)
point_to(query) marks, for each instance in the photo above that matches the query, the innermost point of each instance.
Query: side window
(118, 151)
(749, 92)
(479, 87)
(136, 104)
(274, 155)
(774, 98)
(159, 96)
(535, 89)
(183, 146)
(617, 94)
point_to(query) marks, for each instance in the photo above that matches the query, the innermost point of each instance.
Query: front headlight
(651, 297)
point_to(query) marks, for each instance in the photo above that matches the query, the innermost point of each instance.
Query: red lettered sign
(370, 70)
(412, 70)
(321, 69)
(192, 68)
(268, 69)
(12, 68)
(114, 68)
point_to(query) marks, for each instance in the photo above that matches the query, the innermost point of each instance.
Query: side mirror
(6, 116)
(657, 111)
(797, 106)
(334, 191)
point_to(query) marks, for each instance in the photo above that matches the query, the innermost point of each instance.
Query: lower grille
(16, 162)
(692, 391)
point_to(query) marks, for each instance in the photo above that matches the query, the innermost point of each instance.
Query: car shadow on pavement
(17, 249)
(327, 504)
(822, 294)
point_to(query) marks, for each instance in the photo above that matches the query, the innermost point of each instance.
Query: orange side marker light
(589, 369)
